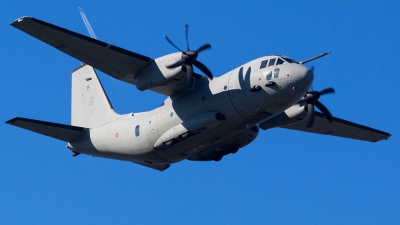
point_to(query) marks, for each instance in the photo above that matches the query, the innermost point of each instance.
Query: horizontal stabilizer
(112, 60)
(340, 128)
(55, 130)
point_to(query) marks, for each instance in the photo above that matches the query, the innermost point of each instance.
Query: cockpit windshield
(289, 60)
(276, 61)
(280, 61)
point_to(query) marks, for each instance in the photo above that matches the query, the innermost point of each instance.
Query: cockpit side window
(280, 61)
(269, 75)
(264, 64)
(276, 73)
(271, 62)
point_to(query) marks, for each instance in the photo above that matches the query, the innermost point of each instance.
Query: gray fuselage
(245, 97)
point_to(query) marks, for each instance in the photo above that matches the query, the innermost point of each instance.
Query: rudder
(90, 106)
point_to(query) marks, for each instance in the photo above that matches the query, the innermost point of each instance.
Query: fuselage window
(276, 73)
(137, 131)
(280, 61)
(271, 62)
(269, 75)
(264, 64)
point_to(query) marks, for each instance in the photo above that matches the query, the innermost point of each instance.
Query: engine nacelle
(157, 74)
(189, 127)
(292, 115)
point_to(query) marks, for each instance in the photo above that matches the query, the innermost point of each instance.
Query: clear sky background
(283, 177)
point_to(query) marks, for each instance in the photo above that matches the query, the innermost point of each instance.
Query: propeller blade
(327, 91)
(310, 115)
(203, 68)
(190, 77)
(169, 40)
(188, 60)
(186, 34)
(324, 110)
(203, 47)
(179, 63)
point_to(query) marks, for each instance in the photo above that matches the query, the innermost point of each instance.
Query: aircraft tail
(90, 106)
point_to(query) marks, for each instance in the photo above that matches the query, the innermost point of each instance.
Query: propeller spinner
(188, 59)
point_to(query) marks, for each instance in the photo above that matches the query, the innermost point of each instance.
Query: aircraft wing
(340, 128)
(112, 60)
(55, 130)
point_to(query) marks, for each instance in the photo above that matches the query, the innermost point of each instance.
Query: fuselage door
(152, 131)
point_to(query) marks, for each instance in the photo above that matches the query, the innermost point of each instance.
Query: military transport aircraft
(203, 118)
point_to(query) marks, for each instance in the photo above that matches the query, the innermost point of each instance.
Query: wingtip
(12, 121)
(164, 168)
(19, 20)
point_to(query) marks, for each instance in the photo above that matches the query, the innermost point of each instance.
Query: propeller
(311, 100)
(188, 59)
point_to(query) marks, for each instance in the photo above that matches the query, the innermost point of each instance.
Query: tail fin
(90, 106)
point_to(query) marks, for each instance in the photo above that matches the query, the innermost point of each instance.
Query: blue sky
(283, 177)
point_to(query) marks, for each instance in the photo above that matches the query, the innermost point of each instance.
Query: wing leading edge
(112, 60)
(340, 128)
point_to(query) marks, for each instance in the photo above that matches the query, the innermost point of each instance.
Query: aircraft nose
(302, 77)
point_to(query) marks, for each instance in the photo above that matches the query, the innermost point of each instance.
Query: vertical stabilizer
(90, 106)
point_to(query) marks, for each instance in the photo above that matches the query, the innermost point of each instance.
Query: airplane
(203, 118)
